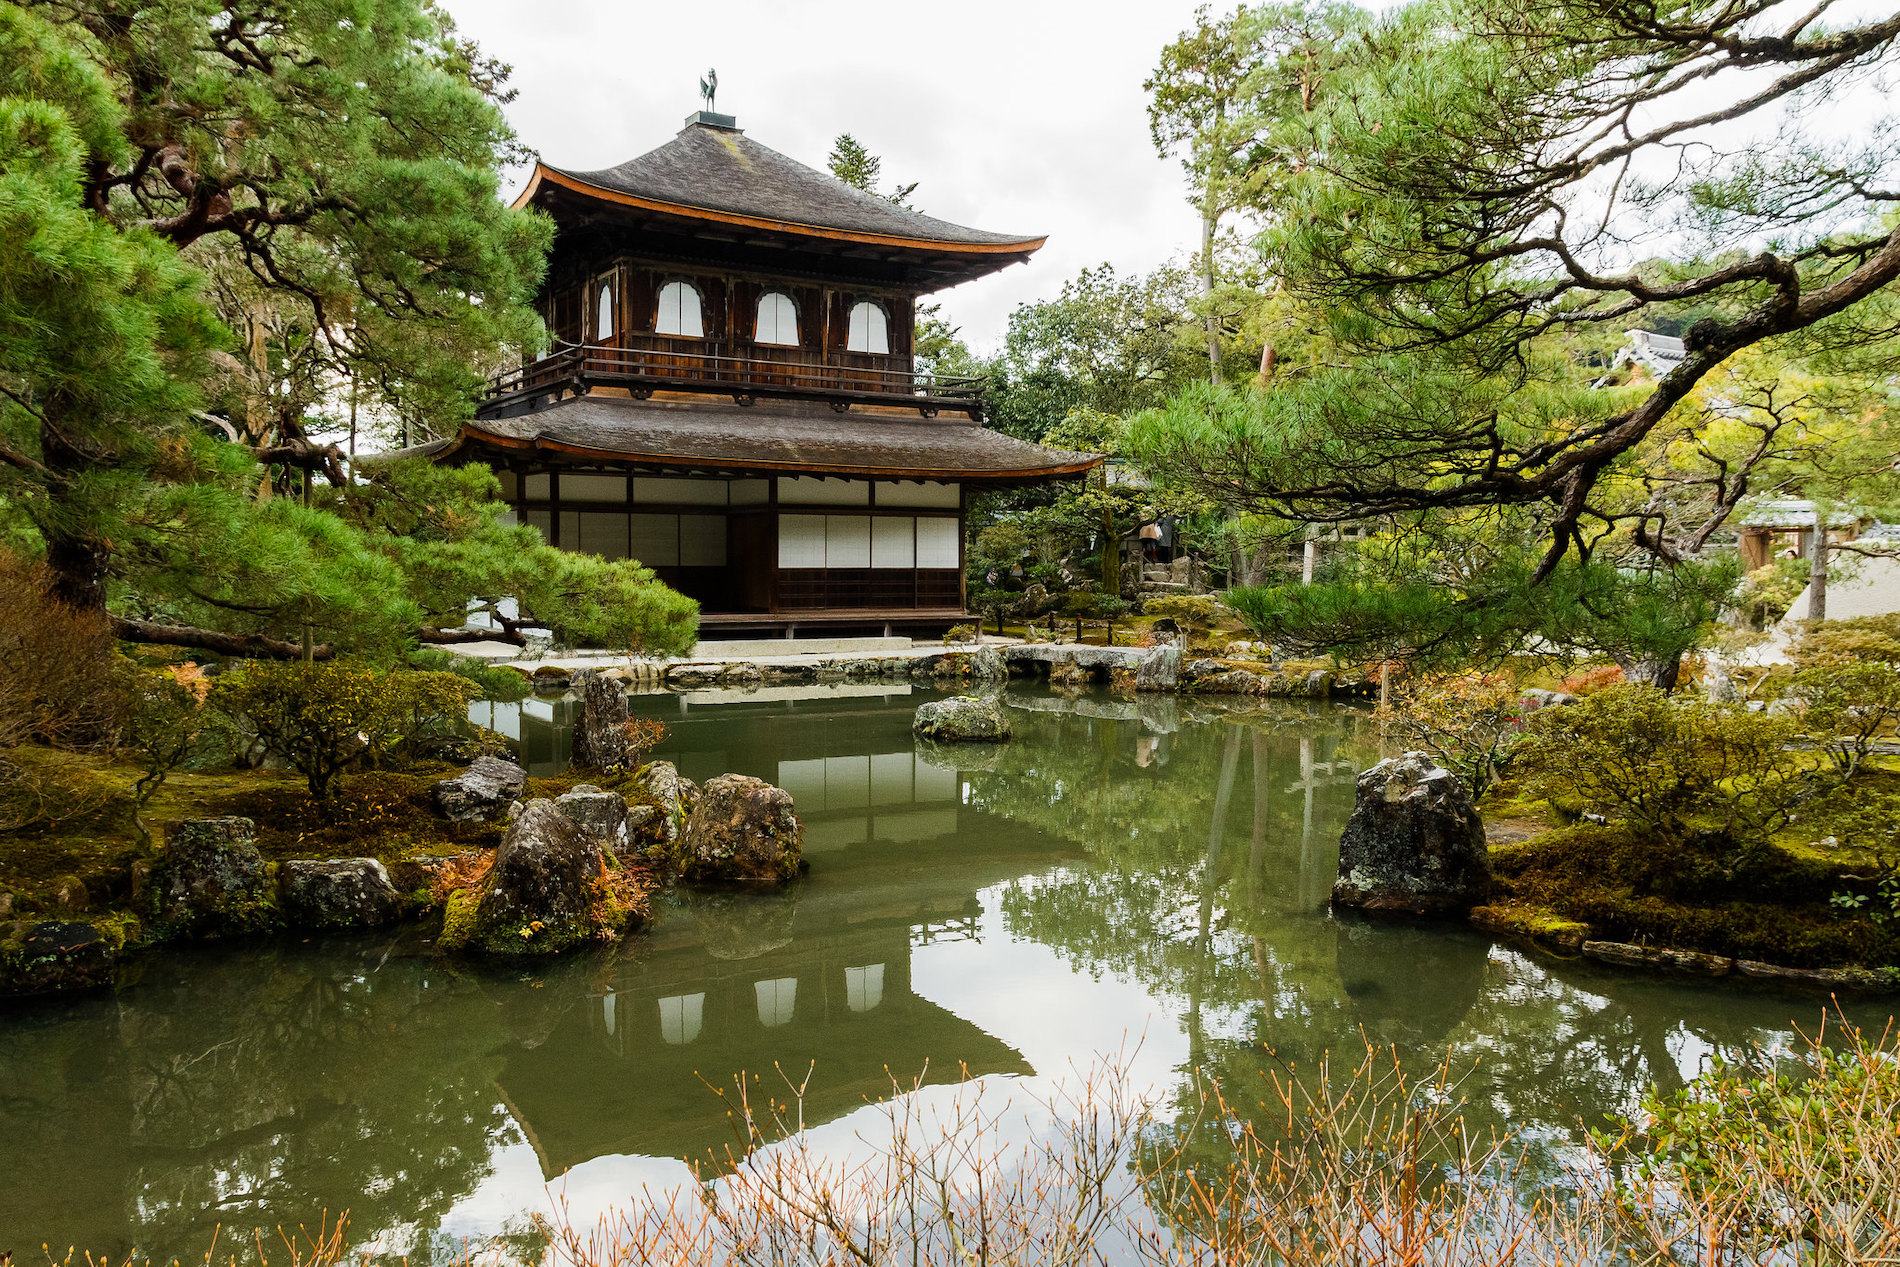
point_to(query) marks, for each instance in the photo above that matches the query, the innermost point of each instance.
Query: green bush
(1857, 640)
(1711, 778)
(323, 718)
(1844, 709)
(167, 723)
(1190, 611)
(503, 686)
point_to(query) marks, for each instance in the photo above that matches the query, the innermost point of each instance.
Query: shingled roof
(764, 439)
(714, 169)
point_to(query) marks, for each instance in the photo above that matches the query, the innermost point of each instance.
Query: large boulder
(211, 881)
(743, 831)
(963, 719)
(547, 891)
(602, 815)
(1159, 670)
(56, 957)
(1414, 844)
(337, 893)
(482, 792)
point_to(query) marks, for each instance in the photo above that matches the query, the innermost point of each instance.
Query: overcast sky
(1016, 117)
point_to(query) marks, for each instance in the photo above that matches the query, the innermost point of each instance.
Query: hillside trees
(1470, 186)
(219, 218)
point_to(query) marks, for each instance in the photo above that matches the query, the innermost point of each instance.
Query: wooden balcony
(644, 364)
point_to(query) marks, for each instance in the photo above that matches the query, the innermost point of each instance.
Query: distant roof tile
(720, 169)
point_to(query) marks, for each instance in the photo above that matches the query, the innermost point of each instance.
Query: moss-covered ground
(1621, 884)
(80, 867)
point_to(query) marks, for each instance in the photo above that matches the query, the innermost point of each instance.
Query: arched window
(604, 313)
(870, 330)
(679, 311)
(778, 319)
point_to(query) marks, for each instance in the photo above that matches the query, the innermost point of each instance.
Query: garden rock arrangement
(210, 880)
(545, 892)
(482, 792)
(601, 815)
(743, 831)
(1414, 844)
(55, 957)
(964, 719)
(338, 893)
(671, 797)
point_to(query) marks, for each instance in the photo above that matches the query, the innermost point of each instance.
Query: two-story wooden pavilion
(732, 398)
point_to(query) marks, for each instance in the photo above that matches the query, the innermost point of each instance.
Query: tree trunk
(257, 645)
(1208, 224)
(1817, 567)
(1663, 674)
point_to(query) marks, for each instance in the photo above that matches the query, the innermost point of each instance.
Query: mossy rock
(549, 890)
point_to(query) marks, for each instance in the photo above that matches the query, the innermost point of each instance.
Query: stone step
(1165, 587)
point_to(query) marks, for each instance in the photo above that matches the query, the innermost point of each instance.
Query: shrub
(1190, 611)
(322, 718)
(1844, 709)
(503, 686)
(167, 723)
(959, 633)
(1469, 721)
(643, 735)
(56, 666)
(1590, 681)
(1715, 778)
(1857, 640)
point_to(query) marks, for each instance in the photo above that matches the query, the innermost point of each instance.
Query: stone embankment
(570, 871)
(1162, 668)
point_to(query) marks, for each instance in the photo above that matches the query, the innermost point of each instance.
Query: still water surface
(1138, 877)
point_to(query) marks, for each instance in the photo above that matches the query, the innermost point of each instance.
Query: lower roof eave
(471, 443)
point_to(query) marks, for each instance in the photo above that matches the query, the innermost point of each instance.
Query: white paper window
(870, 330)
(510, 484)
(702, 541)
(815, 490)
(778, 319)
(604, 312)
(847, 541)
(750, 492)
(937, 541)
(864, 987)
(801, 541)
(542, 521)
(602, 534)
(893, 541)
(658, 490)
(593, 488)
(679, 311)
(536, 487)
(929, 495)
(680, 1017)
(656, 540)
(777, 999)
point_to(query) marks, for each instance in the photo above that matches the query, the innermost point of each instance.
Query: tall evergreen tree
(321, 173)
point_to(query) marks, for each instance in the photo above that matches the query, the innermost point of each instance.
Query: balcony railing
(644, 364)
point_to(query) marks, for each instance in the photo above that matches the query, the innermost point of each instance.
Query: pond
(1144, 877)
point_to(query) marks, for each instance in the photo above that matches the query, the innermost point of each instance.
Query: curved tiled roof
(722, 170)
(762, 438)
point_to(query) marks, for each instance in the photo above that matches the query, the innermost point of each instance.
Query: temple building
(732, 396)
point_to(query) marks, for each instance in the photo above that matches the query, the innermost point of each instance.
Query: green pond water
(1142, 878)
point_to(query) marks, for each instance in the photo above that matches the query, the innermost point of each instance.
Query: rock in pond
(338, 893)
(600, 737)
(1159, 670)
(546, 892)
(482, 792)
(663, 818)
(602, 815)
(55, 957)
(963, 719)
(1414, 844)
(743, 831)
(210, 881)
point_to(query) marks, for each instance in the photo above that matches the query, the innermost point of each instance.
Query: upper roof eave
(546, 175)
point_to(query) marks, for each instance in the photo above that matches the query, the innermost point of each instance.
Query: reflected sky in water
(1143, 878)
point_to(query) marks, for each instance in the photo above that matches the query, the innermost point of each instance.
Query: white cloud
(1017, 117)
